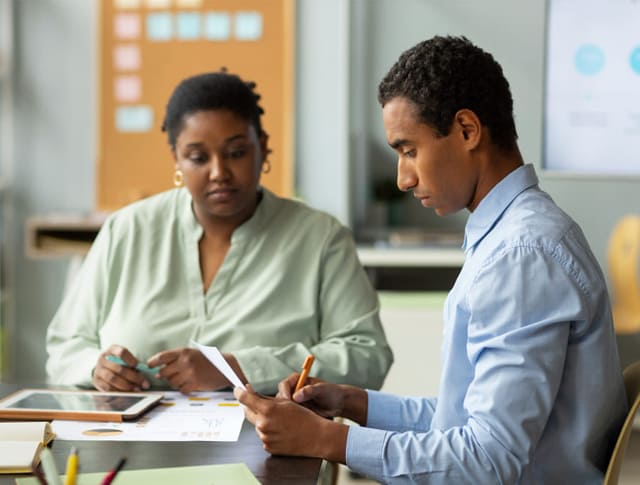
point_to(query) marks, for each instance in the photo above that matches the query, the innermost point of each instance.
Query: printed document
(199, 416)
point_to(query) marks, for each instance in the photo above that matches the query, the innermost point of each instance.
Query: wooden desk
(101, 456)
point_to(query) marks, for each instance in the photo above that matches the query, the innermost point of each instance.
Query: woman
(221, 261)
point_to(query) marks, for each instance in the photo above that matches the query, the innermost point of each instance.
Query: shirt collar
(254, 224)
(493, 205)
(248, 228)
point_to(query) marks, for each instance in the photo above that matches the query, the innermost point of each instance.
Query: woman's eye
(197, 158)
(237, 153)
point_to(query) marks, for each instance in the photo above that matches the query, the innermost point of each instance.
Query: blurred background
(333, 151)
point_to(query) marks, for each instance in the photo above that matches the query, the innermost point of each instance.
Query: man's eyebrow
(398, 143)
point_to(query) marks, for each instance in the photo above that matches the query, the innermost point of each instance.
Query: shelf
(435, 256)
(58, 236)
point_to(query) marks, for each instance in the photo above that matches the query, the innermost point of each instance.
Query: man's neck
(496, 165)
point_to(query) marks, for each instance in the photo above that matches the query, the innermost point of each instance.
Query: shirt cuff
(365, 450)
(382, 408)
(261, 369)
(78, 373)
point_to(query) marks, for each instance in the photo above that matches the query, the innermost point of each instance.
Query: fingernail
(145, 384)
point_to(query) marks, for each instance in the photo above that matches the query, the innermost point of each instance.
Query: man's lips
(424, 199)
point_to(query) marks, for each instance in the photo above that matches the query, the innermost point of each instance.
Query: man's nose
(406, 179)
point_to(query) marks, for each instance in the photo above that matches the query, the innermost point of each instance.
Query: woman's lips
(221, 195)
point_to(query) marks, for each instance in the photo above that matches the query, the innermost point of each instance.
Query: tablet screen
(69, 401)
(84, 405)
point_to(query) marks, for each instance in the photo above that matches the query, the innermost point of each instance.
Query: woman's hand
(109, 376)
(286, 428)
(188, 370)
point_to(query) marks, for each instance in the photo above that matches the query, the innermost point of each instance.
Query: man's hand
(326, 399)
(286, 428)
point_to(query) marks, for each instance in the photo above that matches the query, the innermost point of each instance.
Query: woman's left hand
(188, 370)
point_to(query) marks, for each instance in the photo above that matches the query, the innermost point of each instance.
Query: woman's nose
(217, 168)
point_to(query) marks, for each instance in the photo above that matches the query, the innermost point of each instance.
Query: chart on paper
(201, 416)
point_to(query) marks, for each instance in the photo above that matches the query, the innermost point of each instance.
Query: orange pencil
(306, 367)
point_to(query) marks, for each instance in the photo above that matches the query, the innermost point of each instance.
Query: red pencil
(112, 474)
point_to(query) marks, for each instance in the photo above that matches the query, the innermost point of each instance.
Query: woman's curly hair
(212, 91)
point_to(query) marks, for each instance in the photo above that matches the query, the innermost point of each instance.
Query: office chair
(632, 385)
(623, 258)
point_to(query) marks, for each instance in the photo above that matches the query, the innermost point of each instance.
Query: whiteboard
(592, 87)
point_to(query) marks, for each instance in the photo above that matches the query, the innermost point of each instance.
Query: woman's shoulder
(299, 213)
(151, 211)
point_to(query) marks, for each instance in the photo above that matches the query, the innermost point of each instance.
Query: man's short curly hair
(443, 75)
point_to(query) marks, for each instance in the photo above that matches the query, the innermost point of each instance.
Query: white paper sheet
(216, 358)
(200, 416)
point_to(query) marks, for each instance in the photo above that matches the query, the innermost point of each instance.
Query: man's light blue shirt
(531, 387)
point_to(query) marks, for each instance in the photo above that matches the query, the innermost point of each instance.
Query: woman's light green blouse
(291, 284)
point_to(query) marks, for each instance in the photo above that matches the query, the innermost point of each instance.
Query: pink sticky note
(126, 57)
(128, 88)
(127, 25)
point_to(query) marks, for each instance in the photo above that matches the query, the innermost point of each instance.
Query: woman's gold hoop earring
(178, 178)
(266, 166)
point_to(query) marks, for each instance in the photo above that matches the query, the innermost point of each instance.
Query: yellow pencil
(72, 467)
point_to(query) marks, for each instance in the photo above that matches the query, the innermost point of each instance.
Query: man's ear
(466, 124)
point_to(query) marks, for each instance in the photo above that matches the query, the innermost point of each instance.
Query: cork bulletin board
(148, 46)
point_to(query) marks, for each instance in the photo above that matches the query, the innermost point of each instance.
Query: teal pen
(140, 366)
(49, 467)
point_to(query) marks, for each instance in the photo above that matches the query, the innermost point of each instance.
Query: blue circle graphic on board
(634, 60)
(589, 59)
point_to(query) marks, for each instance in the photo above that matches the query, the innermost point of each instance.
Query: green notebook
(232, 474)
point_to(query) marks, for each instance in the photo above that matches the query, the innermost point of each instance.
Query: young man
(531, 390)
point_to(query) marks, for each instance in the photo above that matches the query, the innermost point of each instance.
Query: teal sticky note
(159, 26)
(248, 26)
(134, 118)
(217, 26)
(188, 25)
